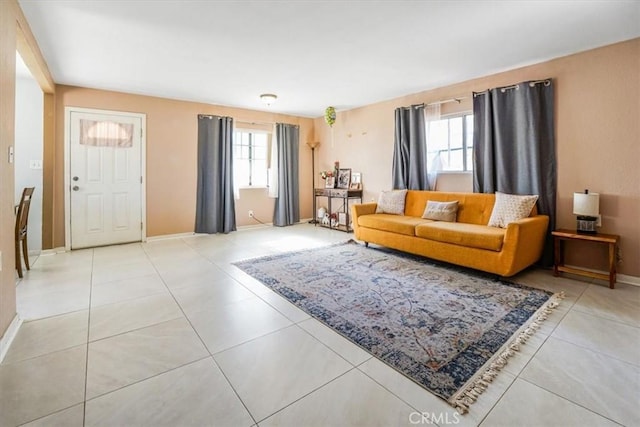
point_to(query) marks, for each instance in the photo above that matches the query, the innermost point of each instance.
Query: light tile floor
(170, 333)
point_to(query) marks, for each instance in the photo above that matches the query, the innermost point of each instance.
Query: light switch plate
(35, 164)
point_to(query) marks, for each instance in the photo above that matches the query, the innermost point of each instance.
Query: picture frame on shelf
(356, 181)
(330, 182)
(344, 178)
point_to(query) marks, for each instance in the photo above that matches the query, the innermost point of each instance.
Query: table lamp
(587, 206)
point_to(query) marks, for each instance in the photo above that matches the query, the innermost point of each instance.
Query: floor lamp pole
(313, 146)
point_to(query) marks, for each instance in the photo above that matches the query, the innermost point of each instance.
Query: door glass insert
(106, 134)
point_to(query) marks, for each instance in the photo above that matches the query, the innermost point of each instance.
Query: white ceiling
(312, 54)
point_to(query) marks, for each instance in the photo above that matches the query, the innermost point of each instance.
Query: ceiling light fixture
(268, 98)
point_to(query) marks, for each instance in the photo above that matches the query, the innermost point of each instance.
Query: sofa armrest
(524, 241)
(359, 210)
(363, 209)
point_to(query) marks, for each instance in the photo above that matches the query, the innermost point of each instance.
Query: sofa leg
(366, 244)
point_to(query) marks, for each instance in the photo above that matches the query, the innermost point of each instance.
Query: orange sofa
(468, 242)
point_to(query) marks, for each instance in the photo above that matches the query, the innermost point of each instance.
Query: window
(250, 158)
(450, 143)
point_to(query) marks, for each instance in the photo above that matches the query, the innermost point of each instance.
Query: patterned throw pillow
(391, 202)
(441, 211)
(510, 208)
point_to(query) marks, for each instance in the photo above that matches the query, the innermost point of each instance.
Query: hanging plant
(330, 116)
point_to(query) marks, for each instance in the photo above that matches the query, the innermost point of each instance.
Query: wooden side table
(338, 193)
(608, 239)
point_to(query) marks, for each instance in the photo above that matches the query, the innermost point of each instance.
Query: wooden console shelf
(338, 193)
(608, 239)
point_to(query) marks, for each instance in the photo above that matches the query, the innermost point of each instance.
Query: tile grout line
(546, 339)
(144, 327)
(570, 401)
(516, 376)
(309, 393)
(591, 350)
(293, 324)
(597, 316)
(86, 367)
(198, 335)
(175, 368)
(393, 393)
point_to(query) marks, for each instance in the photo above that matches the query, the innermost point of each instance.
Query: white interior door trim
(67, 166)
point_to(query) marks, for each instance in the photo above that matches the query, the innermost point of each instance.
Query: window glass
(455, 132)
(449, 144)
(250, 162)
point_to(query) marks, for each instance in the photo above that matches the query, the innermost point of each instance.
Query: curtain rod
(532, 83)
(211, 116)
(255, 122)
(444, 101)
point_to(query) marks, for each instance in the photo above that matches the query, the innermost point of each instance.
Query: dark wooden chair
(22, 218)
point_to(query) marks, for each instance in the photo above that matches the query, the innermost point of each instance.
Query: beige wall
(15, 34)
(597, 129)
(171, 158)
(7, 118)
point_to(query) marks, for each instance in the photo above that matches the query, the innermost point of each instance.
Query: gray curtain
(287, 205)
(215, 205)
(410, 149)
(514, 146)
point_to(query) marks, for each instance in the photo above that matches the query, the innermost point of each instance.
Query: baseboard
(269, 224)
(620, 278)
(9, 336)
(170, 236)
(59, 250)
(254, 226)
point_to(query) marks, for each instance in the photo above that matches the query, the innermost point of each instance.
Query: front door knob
(75, 188)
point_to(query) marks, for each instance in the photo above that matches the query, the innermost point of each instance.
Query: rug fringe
(462, 400)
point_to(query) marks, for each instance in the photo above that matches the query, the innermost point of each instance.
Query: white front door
(105, 178)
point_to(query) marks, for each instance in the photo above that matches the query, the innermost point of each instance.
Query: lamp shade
(587, 204)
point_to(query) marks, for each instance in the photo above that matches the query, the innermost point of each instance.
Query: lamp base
(586, 224)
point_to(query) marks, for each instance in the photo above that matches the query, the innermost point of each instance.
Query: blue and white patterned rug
(449, 329)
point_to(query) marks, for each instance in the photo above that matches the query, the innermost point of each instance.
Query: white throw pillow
(391, 202)
(509, 208)
(441, 211)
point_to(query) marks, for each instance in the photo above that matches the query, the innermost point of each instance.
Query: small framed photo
(344, 178)
(356, 181)
(330, 182)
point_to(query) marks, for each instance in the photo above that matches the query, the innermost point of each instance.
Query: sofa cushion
(510, 208)
(391, 202)
(441, 211)
(457, 233)
(392, 223)
(473, 208)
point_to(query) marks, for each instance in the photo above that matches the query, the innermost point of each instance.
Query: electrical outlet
(599, 221)
(251, 214)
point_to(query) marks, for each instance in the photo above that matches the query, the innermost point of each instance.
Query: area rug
(449, 329)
